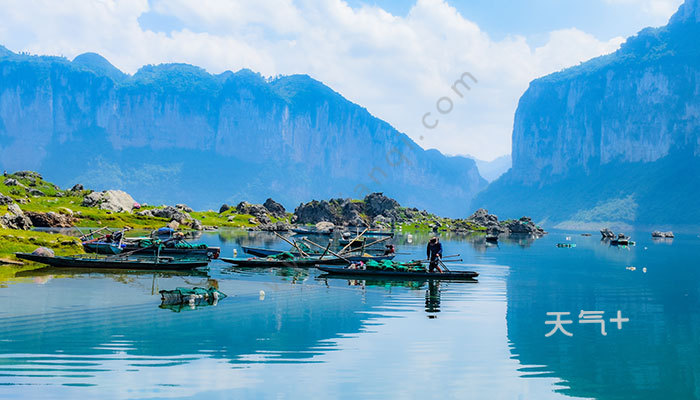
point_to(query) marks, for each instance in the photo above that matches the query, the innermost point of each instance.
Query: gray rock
(13, 182)
(144, 213)
(224, 207)
(28, 175)
(607, 233)
(316, 211)
(279, 226)
(36, 193)
(524, 226)
(325, 226)
(15, 219)
(5, 200)
(184, 208)
(659, 234)
(77, 188)
(50, 219)
(112, 200)
(256, 210)
(173, 225)
(44, 252)
(378, 204)
(482, 217)
(276, 209)
(197, 225)
(171, 213)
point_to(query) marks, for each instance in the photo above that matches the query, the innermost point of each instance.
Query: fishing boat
(260, 252)
(115, 262)
(101, 247)
(492, 238)
(272, 262)
(621, 240)
(306, 231)
(357, 272)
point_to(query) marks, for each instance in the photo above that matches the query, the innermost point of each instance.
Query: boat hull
(452, 275)
(102, 248)
(262, 263)
(102, 263)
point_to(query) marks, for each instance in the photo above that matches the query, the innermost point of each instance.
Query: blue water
(70, 334)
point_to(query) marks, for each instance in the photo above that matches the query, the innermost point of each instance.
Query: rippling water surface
(71, 334)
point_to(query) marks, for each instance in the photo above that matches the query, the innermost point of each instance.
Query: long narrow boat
(258, 252)
(447, 275)
(305, 231)
(297, 262)
(92, 261)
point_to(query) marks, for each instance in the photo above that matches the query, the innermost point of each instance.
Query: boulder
(607, 233)
(50, 219)
(224, 207)
(15, 219)
(279, 226)
(173, 225)
(276, 209)
(112, 200)
(36, 193)
(13, 182)
(325, 226)
(28, 175)
(659, 234)
(184, 208)
(77, 188)
(5, 200)
(144, 213)
(524, 226)
(171, 213)
(315, 211)
(43, 251)
(378, 204)
(256, 210)
(197, 225)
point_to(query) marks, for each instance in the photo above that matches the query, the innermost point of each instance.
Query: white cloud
(397, 67)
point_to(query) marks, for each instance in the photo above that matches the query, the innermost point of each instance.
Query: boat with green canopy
(396, 269)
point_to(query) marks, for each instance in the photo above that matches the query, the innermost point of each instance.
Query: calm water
(68, 334)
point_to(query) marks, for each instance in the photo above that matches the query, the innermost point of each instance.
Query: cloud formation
(396, 67)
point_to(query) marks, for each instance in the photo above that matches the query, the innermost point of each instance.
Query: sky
(397, 58)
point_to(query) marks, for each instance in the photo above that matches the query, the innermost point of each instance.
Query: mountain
(615, 140)
(176, 133)
(492, 170)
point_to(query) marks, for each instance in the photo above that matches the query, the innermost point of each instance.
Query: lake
(70, 334)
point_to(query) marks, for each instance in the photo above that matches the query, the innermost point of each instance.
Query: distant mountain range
(613, 141)
(175, 133)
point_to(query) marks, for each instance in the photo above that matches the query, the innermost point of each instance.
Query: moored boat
(272, 262)
(356, 272)
(115, 262)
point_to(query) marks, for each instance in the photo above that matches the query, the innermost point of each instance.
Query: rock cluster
(276, 209)
(50, 219)
(5, 200)
(15, 219)
(112, 200)
(375, 209)
(169, 212)
(258, 211)
(659, 234)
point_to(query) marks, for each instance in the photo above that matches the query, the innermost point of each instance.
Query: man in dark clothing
(434, 252)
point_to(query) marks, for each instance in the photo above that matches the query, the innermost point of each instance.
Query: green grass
(12, 241)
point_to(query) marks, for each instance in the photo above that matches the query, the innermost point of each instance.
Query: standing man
(434, 252)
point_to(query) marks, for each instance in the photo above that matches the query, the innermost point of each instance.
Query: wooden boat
(100, 247)
(492, 238)
(115, 262)
(621, 240)
(259, 252)
(168, 249)
(447, 275)
(306, 231)
(297, 262)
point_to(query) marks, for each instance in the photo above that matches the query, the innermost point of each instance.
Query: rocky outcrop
(325, 226)
(77, 188)
(317, 211)
(112, 200)
(169, 212)
(659, 234)
(276, 209)
(50, 219)
(279, 226)
(377, 204)
(13, 182)
(15, 219)
(256, 210)
(5, 200)
(184, 208)
(224, 207)
(524, 226)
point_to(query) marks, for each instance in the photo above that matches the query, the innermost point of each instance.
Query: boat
(179, 248)
(260, 252)
(115, 262)
(196, 295)
(566, 245)
(306, 231)
(102, 247)
(379, 233)
(622, 240)
(356, 272)
(492, 238)
(271, 262)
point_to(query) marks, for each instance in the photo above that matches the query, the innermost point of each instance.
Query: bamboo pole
(350, 243)
(330, 251)
(293, 244)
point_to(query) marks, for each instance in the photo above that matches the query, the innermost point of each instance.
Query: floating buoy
(235, 252)
(632, 268)
(262, 295)
(644, 270)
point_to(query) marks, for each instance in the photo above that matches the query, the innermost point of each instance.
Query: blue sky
(396, 58)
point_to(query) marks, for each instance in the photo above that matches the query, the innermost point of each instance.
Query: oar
(378, 241)
(330, 251)
(350, 242)
(443, 265)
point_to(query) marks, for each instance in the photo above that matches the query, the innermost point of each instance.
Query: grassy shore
(12, 241)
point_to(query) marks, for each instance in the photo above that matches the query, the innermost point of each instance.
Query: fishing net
(283, 256)
(389, 265)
